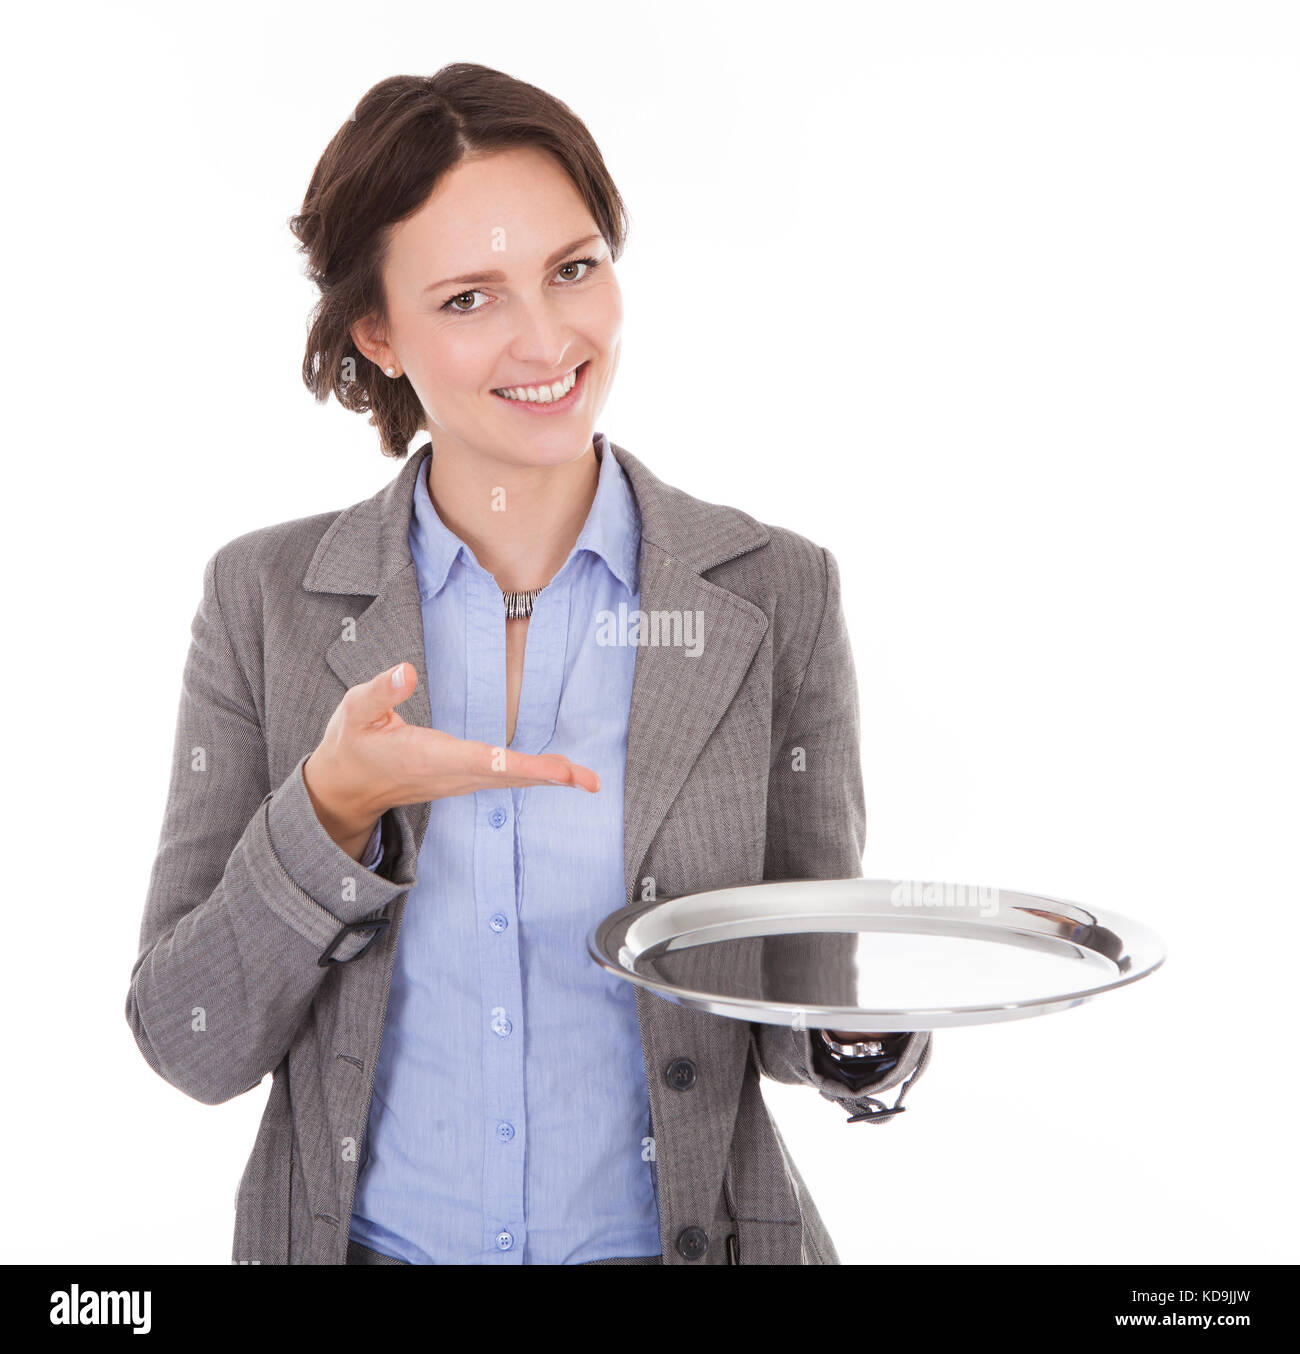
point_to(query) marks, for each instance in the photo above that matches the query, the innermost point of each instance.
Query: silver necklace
(519, 604)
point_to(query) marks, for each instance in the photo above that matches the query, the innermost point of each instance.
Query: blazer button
(692, 1243)
(680, 1074)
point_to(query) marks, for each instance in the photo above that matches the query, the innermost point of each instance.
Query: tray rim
(1138, 939)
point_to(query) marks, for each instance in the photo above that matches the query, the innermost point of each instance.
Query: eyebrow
(497, 276)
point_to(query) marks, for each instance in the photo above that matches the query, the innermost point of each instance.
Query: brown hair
(380, 168)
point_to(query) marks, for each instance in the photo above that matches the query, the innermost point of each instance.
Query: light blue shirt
(510, 1122)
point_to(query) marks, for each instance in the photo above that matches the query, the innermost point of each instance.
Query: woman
(462, 230)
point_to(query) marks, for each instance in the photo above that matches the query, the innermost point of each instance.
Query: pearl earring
(392, 371)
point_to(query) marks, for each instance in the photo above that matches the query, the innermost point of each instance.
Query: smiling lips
(545, 396)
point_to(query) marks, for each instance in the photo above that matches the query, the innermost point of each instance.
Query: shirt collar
(612, 530)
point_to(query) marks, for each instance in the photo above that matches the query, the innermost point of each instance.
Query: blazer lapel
(677, 699)
(367, 552)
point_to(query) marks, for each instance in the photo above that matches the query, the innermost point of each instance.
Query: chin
(544, 447)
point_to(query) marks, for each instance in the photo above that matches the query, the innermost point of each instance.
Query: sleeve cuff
(307, 879)
(834, 1089)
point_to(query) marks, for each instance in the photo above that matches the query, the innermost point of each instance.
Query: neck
(521, 522)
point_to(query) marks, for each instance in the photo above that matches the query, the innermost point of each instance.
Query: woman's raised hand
(370, 760)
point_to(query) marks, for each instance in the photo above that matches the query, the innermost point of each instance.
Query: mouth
(554, 397)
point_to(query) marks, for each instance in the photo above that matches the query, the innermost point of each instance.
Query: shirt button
(497, 817)
(501, 1025)
(504, 1241)
(505, 1131)
(498, 921)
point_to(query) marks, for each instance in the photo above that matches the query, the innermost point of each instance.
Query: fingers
(502, 767)
(557, 770)
(382, 693)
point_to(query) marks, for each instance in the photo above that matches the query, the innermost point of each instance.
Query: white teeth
(542, 394)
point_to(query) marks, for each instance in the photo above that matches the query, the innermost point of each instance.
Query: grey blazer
(247, 890)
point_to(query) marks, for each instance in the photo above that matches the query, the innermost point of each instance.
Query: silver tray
(873, 954)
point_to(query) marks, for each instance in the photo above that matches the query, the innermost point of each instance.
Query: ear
(369, 339)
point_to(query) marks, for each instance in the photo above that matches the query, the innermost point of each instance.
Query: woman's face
(460, 337)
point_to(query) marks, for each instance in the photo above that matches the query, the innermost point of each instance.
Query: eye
(589, 264)
(462, 296)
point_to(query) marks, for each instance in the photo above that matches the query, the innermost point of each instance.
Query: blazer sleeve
(247, 888)
(816, 829)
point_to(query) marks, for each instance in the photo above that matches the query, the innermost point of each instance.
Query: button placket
(504, 1112)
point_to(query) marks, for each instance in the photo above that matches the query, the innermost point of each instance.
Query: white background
(996, 301)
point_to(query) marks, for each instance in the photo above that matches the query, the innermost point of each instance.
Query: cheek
(449, 363)
(604, 317)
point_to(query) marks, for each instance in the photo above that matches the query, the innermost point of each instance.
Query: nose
(542, 335)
